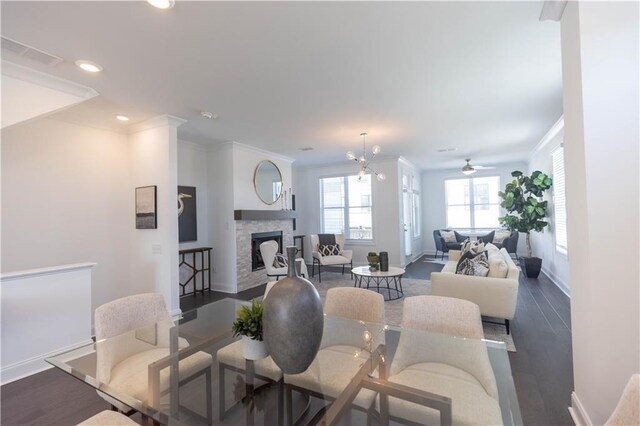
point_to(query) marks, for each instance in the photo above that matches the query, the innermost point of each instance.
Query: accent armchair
(443, 246)
(345, 257)
(268, 251)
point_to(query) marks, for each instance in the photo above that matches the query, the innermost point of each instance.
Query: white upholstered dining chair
(343, 258)
(341, 352)
(429, 358)
(268, 251)
(133, 332)
(231, 358)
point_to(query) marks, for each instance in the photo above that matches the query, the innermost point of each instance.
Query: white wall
(554, 264)
(222, 228)
(434, 215)
(245, 161)
(67, 198)
(386, 209)
(192, 171)
(154, 161)
(600, 94)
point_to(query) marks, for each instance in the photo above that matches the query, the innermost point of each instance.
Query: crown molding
(159, 121)
(252, 149)
(49, 81)
(551, 134)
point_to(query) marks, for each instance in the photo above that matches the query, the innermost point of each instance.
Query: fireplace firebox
(258, 238)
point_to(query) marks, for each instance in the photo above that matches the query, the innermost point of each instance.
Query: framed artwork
(187, 217)
(146, 207)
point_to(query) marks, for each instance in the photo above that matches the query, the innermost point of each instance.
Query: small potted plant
(248, 324)
(526, 211)
(373, 260)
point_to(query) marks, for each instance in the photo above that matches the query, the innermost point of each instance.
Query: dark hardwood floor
(542, 366)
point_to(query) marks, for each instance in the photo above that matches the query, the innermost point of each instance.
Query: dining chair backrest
(364, 309)
(446, 315)
(127, 326)
(444, 330)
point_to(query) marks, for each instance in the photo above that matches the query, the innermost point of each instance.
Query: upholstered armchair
(443, 246)
(343, 258)
(440, 352)
(510, 243)
(487, 238)
(132, 333)
(268, 251)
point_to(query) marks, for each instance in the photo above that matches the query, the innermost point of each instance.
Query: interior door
(406, 215)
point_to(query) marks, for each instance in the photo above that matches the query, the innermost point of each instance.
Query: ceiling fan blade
(484, 167)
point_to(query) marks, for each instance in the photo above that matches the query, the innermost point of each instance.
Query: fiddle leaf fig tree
(522, 199)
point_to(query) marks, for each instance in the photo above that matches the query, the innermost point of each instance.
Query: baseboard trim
(21, 369)
(578, 413)
(557, 281)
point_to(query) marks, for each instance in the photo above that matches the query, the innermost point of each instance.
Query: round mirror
(267, 180)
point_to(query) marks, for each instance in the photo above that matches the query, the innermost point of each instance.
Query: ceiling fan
(468, 169)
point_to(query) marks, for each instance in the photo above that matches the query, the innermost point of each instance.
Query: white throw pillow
(498, 267)
(500, 235)
(490, 248)
(449, 236)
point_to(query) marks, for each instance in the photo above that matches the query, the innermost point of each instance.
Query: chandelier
(364, 161)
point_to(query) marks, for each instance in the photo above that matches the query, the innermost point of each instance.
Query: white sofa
(496, 297)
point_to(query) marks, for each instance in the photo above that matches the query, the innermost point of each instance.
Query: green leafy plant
(249, 321)
(372, 259)
(522, 199)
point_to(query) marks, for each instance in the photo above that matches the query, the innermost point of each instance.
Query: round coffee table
(391, 277)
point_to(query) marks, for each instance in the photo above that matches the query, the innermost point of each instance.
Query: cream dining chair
(133, 332)
(341, 352)
(438, 363)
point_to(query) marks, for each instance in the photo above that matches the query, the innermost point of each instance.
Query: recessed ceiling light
(88, 66)
(162, 4)
(121, 117)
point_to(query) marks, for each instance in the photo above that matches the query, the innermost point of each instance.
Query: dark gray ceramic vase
(292, 321)
(384, 261)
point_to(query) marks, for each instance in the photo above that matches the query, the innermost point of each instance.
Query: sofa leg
(506, 324)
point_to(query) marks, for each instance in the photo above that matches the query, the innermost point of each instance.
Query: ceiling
(482, 77)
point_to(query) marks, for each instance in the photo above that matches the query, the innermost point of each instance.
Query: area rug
(393, 309)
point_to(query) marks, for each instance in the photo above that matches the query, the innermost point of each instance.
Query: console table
(193, 266)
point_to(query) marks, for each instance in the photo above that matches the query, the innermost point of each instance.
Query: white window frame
(560, 248)
(345, 208)
(471, 201)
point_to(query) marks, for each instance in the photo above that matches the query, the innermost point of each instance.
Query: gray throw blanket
(326, 239)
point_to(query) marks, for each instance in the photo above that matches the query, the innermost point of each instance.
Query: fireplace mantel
(264, 214)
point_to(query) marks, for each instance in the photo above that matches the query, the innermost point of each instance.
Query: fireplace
(258, 238)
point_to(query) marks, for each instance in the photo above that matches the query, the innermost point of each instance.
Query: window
(473, 202)
(559, 201)
(345, 207)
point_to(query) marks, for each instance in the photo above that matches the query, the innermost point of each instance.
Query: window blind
(559, 200)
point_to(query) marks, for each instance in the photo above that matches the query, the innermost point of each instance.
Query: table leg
(249, 379)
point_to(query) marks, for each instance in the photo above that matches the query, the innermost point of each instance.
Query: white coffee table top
(365, 272)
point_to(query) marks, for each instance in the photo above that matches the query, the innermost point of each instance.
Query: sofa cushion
(329, 249)
(473, 265)
(498, 267)
(489, 247)
(449, 236)
(500, 235)
(454, 246)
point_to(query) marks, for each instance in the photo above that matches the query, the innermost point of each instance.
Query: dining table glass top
(193, 372)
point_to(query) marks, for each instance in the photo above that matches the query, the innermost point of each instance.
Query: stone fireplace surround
(244, 228)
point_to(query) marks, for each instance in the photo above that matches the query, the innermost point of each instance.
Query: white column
(154, 157)
(600, 91)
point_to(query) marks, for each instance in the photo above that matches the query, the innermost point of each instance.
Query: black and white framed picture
(146, 206)
(187, 223)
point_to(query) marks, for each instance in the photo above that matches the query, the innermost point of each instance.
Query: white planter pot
(253, 349)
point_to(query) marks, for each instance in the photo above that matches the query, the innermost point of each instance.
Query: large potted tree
(526, 211)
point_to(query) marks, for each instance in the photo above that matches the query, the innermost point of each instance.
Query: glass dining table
(364, 373)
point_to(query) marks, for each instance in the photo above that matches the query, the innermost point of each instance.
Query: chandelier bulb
(361, 173)
(375, 149)
(381, 177)
(351, 155)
